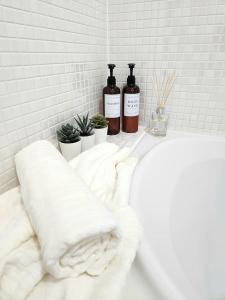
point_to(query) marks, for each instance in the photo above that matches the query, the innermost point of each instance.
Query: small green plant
(99, 121)
(85, 126)
(68, 134)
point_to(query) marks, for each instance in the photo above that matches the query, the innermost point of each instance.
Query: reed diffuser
(162, 86)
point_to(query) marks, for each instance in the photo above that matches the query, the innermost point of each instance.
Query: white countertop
(126, 139)
(142, 141)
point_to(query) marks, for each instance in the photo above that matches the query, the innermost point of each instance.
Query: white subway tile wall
(183, 35)
(52, 58)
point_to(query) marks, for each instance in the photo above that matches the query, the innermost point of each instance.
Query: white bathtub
(178, 192)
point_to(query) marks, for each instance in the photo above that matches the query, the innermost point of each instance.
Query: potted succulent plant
(69, 141)
(85, 128)
(100, 127)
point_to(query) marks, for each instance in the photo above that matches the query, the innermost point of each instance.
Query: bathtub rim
(169, 289)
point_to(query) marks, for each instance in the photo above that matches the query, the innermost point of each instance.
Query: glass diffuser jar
(159, 122)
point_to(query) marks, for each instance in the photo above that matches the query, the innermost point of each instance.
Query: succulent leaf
(68, 134)
(85, 126)
(99, 121)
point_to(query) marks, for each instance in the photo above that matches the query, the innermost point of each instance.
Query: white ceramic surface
(178, 192)
(69, 151)
(100, 135)
(87, 142)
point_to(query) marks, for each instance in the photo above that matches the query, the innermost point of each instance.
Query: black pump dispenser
(111, 79)
(130, 106)
(112, 103)
(131, 77)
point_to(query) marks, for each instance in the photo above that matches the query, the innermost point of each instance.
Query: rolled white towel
(76, 232)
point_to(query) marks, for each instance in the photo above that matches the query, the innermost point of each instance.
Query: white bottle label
(131, 105)
(112, 106)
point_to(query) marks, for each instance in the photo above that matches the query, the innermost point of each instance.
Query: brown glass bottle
(111, 103)
(130, 105)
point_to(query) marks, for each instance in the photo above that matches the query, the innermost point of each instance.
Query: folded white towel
(76, 232)
(110, 172)
(20, 262)
(15, 227)
(22, 275)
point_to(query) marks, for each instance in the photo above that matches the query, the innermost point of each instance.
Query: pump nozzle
(131, 77)
(131, 66)
(111, 67)
(111, 79)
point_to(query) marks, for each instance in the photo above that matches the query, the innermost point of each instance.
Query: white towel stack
(82, 225)
(76, 232)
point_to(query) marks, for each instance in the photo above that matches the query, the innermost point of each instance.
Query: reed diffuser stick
(163, 87)
(170, 86)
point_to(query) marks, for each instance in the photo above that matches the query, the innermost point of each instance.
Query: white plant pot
(100, 135)
(87, 142)
(69, 151)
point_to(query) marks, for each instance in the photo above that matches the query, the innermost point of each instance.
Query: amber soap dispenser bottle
(130, 106)
(111, 103)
